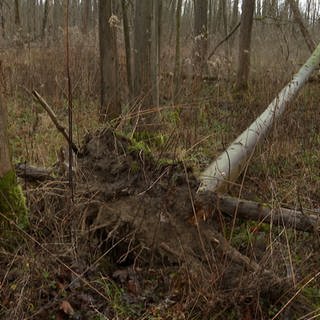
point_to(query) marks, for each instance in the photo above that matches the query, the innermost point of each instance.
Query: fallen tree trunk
(305, 220)
(228, 166)
(211, 204)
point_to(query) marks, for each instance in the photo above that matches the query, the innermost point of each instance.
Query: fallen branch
(307, 220)
(209, 203)
(55, 121)
(32, 173)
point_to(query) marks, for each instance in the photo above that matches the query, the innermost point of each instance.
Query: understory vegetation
(69, 267)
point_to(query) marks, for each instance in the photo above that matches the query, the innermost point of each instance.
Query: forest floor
(125, 247)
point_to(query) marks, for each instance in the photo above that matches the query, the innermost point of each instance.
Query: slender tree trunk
(126, 32)
(235, 13)
(155, 47)
(200, 36)
(86, 15)
(45, 19)
(3, 26)
(177, 64)
(172, 9)
(17, 19)
(142, 51)
(110, 100)
(297, 16)
(245, 43)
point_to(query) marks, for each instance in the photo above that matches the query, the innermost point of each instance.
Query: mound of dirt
(142, 211)
(143, 218)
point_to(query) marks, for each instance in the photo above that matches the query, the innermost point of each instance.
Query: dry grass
(56, 263)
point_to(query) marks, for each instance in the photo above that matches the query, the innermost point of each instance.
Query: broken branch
(55, 121)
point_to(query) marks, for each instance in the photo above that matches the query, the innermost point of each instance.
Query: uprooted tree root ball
(130, 238)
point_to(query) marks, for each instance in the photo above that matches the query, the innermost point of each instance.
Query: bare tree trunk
(297, 16)
(86, 15)
(200, 36)
(177, 65)
(142, 51)
(3, 26)
(245, 43)
(17, 20)
(45, 19)
(235, 13)
(126, 32)
(172, 9)
(110, 100)
(155, 50)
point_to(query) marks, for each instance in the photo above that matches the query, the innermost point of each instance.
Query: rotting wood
(209, 203)
(32, 173)
(305, 220)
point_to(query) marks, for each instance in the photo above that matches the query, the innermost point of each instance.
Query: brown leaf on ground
(66, 307)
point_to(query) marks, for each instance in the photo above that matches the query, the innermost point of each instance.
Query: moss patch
(12, 200)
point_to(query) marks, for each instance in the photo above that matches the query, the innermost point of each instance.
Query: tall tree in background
(200, 36)
(305, 33)
(17, 19)
(142, 50)
(245, 43)
(155, 50)
(86, 16)
(110, 107)
(2, 16)
(45, 19)
(177, 65)
(127, 44)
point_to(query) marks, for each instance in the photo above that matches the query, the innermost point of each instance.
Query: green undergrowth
(12, 198)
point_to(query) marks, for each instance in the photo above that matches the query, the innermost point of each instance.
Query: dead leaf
(67, 308)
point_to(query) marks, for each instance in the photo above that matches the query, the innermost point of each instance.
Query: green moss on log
(12, 201)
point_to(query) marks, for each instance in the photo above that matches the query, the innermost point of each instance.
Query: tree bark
(86, 16)
(45, 19)
(177, 64)
(127, 44)
(17, 19)
(200, 36)
(2, 17)
(155, 50)
(142, 51)
(110, 107)
(235, 13)
(306, 220)
(245, 43)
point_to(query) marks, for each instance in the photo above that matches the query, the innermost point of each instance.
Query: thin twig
(224, 39)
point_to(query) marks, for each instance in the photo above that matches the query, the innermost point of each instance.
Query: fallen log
(305, 220)
(229, 165)
(209, 203)
(32, 173)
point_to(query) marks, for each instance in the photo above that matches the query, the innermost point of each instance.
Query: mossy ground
(12, 201)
